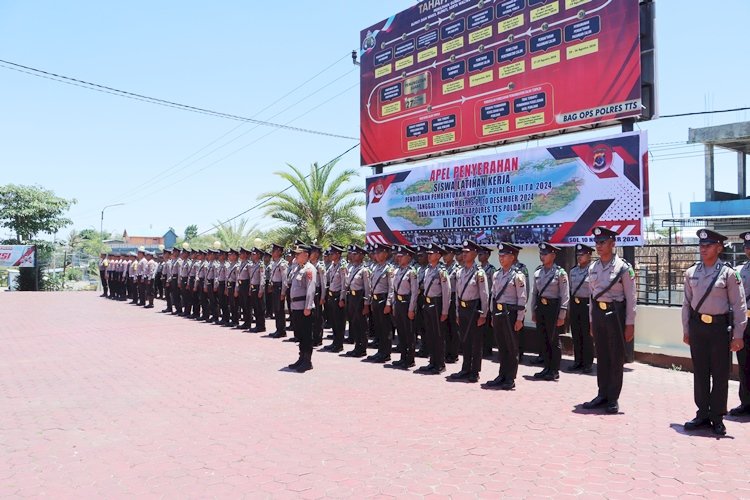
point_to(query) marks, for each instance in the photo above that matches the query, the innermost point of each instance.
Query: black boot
(306, 363)
(294, 365)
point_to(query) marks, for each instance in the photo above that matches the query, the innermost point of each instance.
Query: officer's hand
(260, 295)
(481, 321)
(560, 322)
(205, 289)
(629, 333)
(533, 318)
(236, 294)
(366, 310)
(686, 339)
(307, 312)
(387, 310)
(322, 302)
(517, 327)
(737, 345)
(591, 332)
(412, 315)
(341, 304)
(443, 318)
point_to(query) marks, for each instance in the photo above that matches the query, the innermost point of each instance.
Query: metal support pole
(742, 174)
(709, 165)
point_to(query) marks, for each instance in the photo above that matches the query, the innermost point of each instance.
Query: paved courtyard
(103, 399)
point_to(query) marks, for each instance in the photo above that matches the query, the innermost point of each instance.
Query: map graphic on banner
(447, 75)
(555, 194)
(16, 255)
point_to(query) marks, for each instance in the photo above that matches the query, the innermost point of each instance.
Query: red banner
(448, 75)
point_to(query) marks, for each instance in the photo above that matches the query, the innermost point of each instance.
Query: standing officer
(166, 276)
(380, 285)
(336, 277)
(508, 305)
(713, 323)
(404, 297)
(199, 294)
(551, 299)
(232, 319)
(488, 338)
(744, 368)
(141, 278)
(472, 303)
(437, 296)
(268, 288)
(302, 293)
(612, 314)
(149, 278)
(421, 267)
(209, 298)
(580, 326)
(357, 300)
(221, 312)
(242, 292)
(187, 263)
(452, 342)
(133, 278)
(158, 283)
(320, 294)
(103, 264)
(195, 263)
(278, 274)
(285, 297)
(176, 281)
(257, 291)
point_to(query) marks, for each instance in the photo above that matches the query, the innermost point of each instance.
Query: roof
(734, 136)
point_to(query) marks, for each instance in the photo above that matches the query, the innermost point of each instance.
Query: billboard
(448, 75)
(555, 194)
(16, 255)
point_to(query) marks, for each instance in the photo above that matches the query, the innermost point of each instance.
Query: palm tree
(317, 208)
(237, 235)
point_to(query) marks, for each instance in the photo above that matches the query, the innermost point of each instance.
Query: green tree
(30, 210)
(191, 232)
(319, 207)
(238, 234)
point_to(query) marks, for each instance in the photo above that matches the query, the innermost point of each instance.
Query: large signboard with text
(16, 255)
(448, 75)
(555, 194)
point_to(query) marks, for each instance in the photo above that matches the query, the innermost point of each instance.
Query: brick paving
(103, 399)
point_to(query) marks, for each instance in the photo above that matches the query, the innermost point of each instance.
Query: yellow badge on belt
(544, 301)
(747, 314)
(707, 318)
(401, 298)
(603, 306)
(499, 307)
(354, 292)
(463, 304)
(427, 299)
(578, 301)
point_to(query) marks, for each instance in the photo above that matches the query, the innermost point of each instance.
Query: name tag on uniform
(603, 306)
(707, 318)
(544, 301)
(578, 301)
(499, 307)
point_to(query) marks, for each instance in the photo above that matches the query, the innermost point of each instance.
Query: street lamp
(101, 223)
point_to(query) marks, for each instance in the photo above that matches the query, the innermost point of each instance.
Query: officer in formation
(357, 300)
(583, 344)
(404, 295)
(278, 270)
(336, 297)
(714, 317)
(103, 264)
(381, 273)
(320, 293)
(550, 308)
(742, 354)
(437, 296)
(302, 286)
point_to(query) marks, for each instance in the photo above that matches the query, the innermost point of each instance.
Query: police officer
(197, 262)
(242, 291)
(404, 294)
(488, 338)
(103, 264)
(320, 294)
(140, 298)
(256, 296)
(452, 342)
(421, 267)
(551, 299)
(133, 278)
(149, 278)
(713, 323)
(437, 296)
(302, 292)
(231, 292)
(200, 282)
(221, 313)
(290, 270)
(580, 293)
(612, 315)
(158, 283)
(336, 298)
(278, 275)
(744, 368)
(357, 286)
(187, 263)
(166, 276)
(268, 289)
(508, 305)
(380, 301)
(176, 281)
(209, 297)
(472, 303)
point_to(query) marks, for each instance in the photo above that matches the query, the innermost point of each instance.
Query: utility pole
(101, 222)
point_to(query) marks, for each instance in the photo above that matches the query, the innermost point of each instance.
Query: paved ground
(103, 399)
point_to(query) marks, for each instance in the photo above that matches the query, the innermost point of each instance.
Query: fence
(660, 271)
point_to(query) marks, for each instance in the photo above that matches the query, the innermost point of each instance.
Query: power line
(697, 113)
(261, 203)
(161, 102)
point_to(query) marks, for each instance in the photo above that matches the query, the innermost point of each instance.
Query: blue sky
(238, 57)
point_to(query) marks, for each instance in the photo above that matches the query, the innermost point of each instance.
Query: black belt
(254, 288)
(378, 296)
(299, 299)
(430, 300)
(581, 300)
(606, 306)
(544, 301)
(711, 319)
(230, 284)
(241, 282)
(333, 293)
(506, 308)
(467, 304)
(403, 298)
(355, 293)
